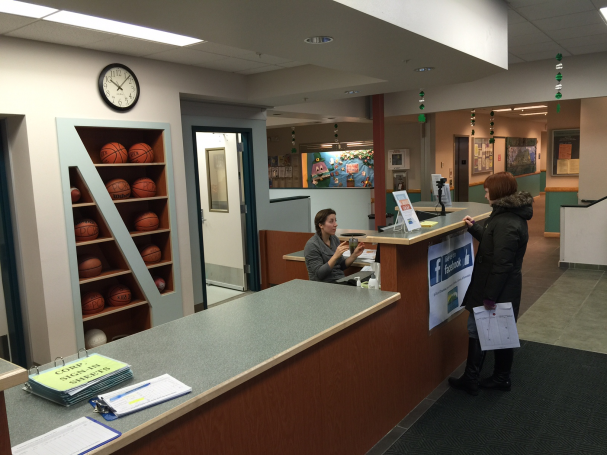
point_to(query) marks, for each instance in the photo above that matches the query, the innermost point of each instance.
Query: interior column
(379, 160)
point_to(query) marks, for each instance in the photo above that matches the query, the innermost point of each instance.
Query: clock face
(119, 87)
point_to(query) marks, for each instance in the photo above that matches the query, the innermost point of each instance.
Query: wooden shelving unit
(135, 316)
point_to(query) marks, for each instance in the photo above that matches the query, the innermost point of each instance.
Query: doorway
(461, 148)
(226, 202)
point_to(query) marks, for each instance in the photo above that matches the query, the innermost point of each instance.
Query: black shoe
(474, 364)
(500, 380)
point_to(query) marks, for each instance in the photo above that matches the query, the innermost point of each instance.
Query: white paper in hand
(496, 328)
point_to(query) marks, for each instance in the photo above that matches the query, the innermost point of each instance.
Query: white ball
(94, 338)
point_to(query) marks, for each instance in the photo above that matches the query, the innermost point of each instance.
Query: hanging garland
(472, 120)
(293, 149)
(421, 117)
(336, 131)
(491, 132)
(559, 78)
(366, 156)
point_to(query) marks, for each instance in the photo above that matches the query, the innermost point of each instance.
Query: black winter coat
(503, 241)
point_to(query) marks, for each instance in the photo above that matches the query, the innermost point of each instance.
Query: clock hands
(123, 82)
(112, 81)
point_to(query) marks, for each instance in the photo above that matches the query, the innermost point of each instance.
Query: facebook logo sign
(443, 267)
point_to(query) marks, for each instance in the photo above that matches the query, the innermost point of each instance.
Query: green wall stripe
(554, 200)
(542, 181)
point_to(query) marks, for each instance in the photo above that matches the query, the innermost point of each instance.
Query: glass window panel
(217, 180)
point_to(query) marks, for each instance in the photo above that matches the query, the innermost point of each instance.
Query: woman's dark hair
(321, 217)
(501, 185)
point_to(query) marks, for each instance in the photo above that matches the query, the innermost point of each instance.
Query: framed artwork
(482, 156)
(521, 155)
(566, 152)
(217, 179)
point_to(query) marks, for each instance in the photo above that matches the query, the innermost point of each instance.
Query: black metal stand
(440, 200)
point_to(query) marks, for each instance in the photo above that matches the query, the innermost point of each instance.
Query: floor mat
(558, 405)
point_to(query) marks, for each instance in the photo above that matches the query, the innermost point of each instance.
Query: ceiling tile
(523, 3)
(513, 59)
(536, 47)
(129, 46)
(536, 37)
(186, 56)
(10, 22)
(521, 28)
(584, 41)
(599, 3)
(237, 53)
(542, 55)
(53, 32)
(291, 64)
(555, 8)
(593, 48)
(576, 32)
(232, 65)
(514, 17)
(263, 69)
(571, 20)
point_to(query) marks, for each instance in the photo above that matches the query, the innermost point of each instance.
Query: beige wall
(568, 118)
(593, 149)
(43, 82)
(450, 124)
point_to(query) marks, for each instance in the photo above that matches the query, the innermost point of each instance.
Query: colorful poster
(520, 155)
(286, 159)
(347, 169)
(274, 161)
(281, 172)
(565, 151)
(450, 266)
(289, 172)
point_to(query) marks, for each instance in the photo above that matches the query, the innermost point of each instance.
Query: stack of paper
(79, 380)
(366, 256)
(141, 396)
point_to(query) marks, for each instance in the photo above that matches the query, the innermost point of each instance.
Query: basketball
(160, 283)
(113, 153)
(75, 195)
(92, 302)
(89, 266)
(94, 338)
(86, 230)
(150, 253)
(147, 221)
(143, 187)
(118, 295)
(118, 189)
(141, 153)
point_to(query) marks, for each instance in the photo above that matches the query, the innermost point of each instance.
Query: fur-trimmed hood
(520, 203)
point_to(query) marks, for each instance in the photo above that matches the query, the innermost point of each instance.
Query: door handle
(202, 216)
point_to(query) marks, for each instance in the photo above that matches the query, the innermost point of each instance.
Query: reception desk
(10, 376)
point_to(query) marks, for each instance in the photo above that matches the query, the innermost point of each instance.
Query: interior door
(220, 198)
(462, 158)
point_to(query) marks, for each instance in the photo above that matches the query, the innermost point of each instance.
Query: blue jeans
(472, 332)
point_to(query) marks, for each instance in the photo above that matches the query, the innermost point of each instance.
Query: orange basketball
(118, 295)
(75, 195)
(118, 189)
(113, 153)
(160, 283)
(92, 302)
(147, 221)
(150, 253)
(141, 153)
(143, 187)
(89, 266)
(86, 230)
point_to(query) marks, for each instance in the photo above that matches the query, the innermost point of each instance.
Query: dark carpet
(558, 405)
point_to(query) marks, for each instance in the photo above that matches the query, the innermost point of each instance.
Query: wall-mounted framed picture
(521, 155)
(217, 179)
(482, 156)
(565, 152)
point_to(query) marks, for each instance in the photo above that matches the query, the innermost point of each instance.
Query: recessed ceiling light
(351, 92)
(536, 113)
(25, 9)
(530, 107)
(424, 69)
(502, 110)
(604, 12)
(120, 28)
(318, 40)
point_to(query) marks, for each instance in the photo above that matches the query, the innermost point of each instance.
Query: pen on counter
(130, 391)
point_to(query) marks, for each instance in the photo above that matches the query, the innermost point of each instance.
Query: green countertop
(451, 222)
(211, 349)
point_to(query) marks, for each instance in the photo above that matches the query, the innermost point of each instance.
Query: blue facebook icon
(435, 271)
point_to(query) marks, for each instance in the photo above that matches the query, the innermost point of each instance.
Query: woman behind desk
(323, 252)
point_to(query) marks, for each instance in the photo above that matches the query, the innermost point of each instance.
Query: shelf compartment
(94, 138)
(159, 264)
(164, 271)
(141, 233)
(132, 173)
(113, 309)
(102, 286)
(161, 239)
(76, 181)
(129, 213)
(129, 164)
(93, 213)
(97, 240)
(83, 204)
(129, 320)
(104, 275)
(140, 199)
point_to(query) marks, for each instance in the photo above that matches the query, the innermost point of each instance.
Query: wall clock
(119, 87)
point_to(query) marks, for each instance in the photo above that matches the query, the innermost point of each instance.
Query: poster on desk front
(450, 266)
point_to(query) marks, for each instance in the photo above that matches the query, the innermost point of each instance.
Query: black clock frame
(102, 92)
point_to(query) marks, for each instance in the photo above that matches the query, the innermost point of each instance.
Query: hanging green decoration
(421, 100)
(336, 133)
(559, 79)
(472, 120)
(491, 124)
(421, 118)
(293, 149)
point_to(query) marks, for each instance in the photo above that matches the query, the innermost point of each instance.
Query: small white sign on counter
(405, 208)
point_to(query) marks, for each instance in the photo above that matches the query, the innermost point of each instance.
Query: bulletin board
(521, 155)
(566, 152)
(347, 169)
(482, 156)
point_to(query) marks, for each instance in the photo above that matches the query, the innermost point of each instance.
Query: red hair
(501, 185)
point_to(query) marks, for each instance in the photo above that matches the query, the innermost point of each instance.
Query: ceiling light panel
(502, 110)
(536, 113)
(25, 9)
(541, 106)
(120, 28)
(604, 12)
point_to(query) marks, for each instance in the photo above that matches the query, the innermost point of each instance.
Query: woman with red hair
(496, 276)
